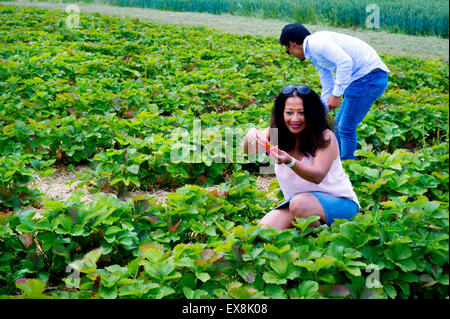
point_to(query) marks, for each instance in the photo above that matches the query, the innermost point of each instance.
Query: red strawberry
(214, 193)
(99, 232)
(176, 226)
(128, 115)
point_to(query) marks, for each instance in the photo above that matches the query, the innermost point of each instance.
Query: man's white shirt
(350, 57)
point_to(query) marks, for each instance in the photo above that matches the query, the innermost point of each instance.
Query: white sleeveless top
(335, 183)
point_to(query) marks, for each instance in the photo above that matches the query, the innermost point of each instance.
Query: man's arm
(327, 82)
(344, 65)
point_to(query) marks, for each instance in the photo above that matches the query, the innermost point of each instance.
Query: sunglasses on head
(301, 89)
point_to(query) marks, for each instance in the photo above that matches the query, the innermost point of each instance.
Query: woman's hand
(279, 156)
(257, 140)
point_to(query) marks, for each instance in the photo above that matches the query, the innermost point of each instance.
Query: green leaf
(280, 266)
(430, 207)
(154, 252)
(427, 280)
(398, 252)
(203, 276)
(322, 262)
(195, 294)
(248, 274)
(444, 279)
(126, 241)
(188, 280)
(112, 230)
(133, 169)
(308, 264)
(307, 289)
(409, 277)
(140, 204)
(66, 222)
(390, 290)
(406, 265)
(152, 108)
(108, 293)
(162, 292)
(272, 277)
(244, 293)
(275, 292)
(31, 288)
(327, 277)
(404, 286)
(303, 223)
(210, 230)
(36, 164)
(115, 268)
(89, 262)
(353, 270)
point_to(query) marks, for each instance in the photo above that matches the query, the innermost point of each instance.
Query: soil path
(63, 183)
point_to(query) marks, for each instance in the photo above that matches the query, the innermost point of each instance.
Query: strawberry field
(123, 96)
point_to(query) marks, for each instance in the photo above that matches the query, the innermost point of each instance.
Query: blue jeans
(358, 98)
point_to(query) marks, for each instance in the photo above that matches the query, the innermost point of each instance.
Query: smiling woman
(308, 167)
(299, 105)
(294, 116)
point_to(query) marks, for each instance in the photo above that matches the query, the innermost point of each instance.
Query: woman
(307, 163)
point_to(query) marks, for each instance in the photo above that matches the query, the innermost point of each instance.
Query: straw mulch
(63, 183)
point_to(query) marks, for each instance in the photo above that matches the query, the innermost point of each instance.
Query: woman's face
(294, 116)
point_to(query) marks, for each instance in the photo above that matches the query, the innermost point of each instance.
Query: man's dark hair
(311, 137)
(294, 32)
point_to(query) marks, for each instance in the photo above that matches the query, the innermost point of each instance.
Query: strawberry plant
(150, 107)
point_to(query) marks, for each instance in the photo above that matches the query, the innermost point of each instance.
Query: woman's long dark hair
(311, 137)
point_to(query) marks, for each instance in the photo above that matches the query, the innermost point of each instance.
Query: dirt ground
(63, 183)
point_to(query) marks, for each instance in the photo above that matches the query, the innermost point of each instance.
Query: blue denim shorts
(333, 206)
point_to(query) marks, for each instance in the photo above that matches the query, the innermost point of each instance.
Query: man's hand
(333, 102)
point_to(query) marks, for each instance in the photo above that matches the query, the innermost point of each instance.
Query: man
(361, 76)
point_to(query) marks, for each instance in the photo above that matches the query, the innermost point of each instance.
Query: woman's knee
(279, 218)
(265, 222)
(298, 206)
(306, 205)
